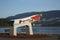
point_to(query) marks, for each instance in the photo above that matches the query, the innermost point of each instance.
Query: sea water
(36, 30)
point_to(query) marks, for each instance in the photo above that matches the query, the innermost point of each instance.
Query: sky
(13, 7)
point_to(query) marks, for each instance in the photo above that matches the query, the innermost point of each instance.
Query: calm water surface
(36, 30)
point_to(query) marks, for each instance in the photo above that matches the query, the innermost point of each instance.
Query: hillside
(49, 18)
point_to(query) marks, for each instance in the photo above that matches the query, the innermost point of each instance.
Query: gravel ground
(50, 37)
(29, 39)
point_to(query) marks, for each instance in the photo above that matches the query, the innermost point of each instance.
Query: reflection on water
(36, 30)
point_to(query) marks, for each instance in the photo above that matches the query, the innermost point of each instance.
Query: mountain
(23, 15)
(49, 18)
(46, 14)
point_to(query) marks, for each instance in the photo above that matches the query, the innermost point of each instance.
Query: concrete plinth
(14, 28)
(30, 29)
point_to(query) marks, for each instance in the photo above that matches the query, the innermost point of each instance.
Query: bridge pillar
(30, 29)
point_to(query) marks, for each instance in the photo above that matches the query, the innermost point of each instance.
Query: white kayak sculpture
(24, 21)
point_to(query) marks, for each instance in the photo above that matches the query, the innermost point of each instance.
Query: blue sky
(13, 7)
